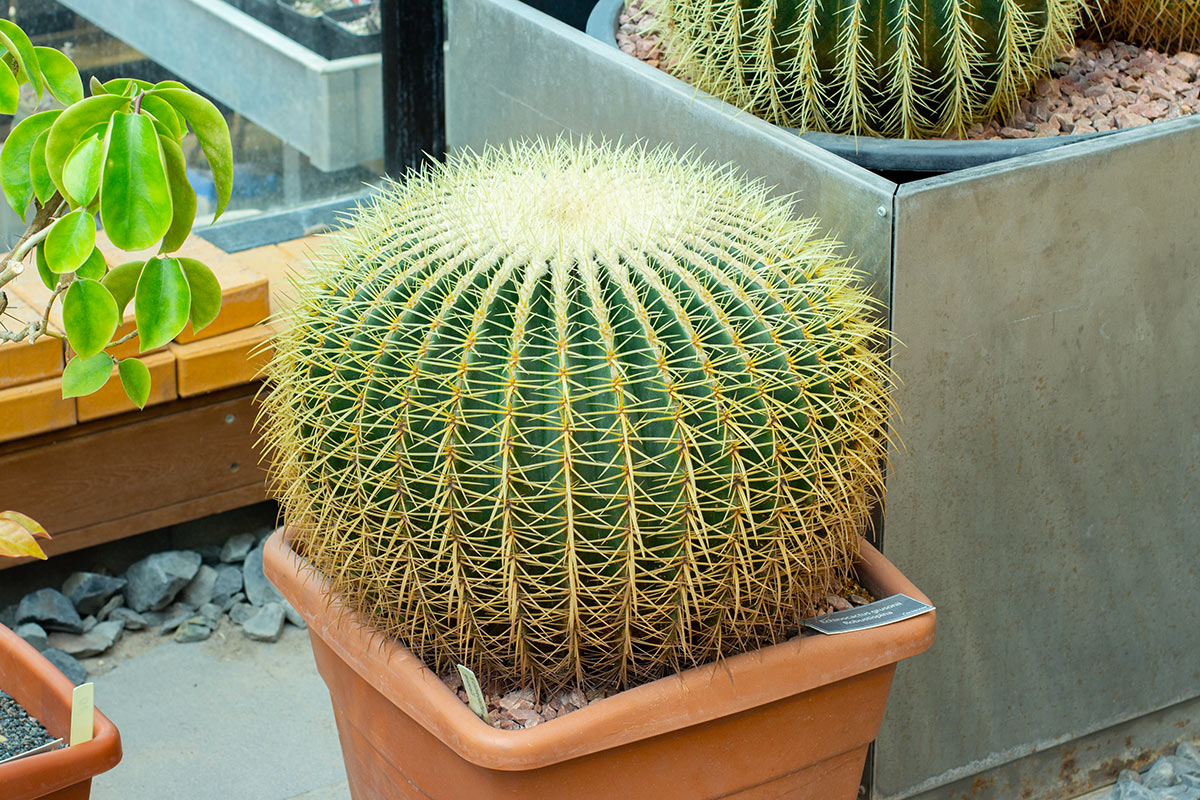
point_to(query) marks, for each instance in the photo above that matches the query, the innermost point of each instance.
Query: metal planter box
(1047, 495)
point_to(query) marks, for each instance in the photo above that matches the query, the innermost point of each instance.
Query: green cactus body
(573, 415)
(1168, 25)
(875, 67)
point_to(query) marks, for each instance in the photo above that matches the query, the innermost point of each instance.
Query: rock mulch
(181, 593)
(516, 710)
(19, 732)
(1094, 87)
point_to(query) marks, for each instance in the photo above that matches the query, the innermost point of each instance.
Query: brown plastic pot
(793, 720)
(43, 691)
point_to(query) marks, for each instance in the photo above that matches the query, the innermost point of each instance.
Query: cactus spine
(574, 415)
(874, 67)
(1169, 25)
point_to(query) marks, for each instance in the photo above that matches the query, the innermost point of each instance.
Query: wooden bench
(94, 469)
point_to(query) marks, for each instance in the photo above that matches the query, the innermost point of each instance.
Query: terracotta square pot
(44, 692)
(793, 720)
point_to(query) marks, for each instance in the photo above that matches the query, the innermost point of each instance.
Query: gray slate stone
(266, 625)
(89, 622)
(242, 612)
(89, 644)
(209, 553)
(132, 619)
(34, 634)
(8, 616)
(236, 548)
(51, 609)
(89, 590)
(211, 614)
(240, 597)
(293, 616)
(114, 602)
(259, 590)
(155, 580)
(228, 583)
(195, 629)
(68, 665)
(200, 589)
(176, 615)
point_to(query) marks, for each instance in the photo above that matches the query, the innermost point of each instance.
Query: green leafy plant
(572, 414)
(116, 155)
(1169, 25)
(874, 67)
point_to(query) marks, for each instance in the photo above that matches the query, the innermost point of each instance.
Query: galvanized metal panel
(329, 110)
(514, 72)
(1048, 498)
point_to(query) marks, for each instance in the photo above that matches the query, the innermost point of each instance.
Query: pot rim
(689, 698)
(42, 690)
(922, 156)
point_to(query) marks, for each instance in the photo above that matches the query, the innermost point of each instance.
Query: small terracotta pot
(44, 692)
(793, 720)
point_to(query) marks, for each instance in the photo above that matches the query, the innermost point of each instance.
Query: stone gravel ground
(1094, 87)
(19, 732)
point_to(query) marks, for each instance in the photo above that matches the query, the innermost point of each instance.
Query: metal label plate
(873, 615)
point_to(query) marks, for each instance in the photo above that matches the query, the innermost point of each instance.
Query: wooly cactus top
(568, 414)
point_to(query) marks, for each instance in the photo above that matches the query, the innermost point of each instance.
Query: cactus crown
(1168, 25)
(569, 414)
(874, 67)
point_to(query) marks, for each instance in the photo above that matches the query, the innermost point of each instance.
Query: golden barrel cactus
(574, 415)
(905, 68)
(1167, 25)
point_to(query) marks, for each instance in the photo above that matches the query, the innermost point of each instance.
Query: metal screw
(881, 211)
(229, 418)
(233, 467)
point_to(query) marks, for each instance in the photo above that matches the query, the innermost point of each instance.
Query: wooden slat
(221, 362)
(21, 362)
(34, 408)
(136, 472)
(112, 400)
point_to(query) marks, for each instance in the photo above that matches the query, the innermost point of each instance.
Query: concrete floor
(227, 718)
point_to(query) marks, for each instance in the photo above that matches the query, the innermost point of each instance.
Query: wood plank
(135, 465)
(33, 408)
(272, 262)
(22, 362)
(148, 520)
(112, 400)
(220, 362)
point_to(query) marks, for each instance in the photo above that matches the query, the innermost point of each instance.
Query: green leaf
(14, 159)
(206, 293)
(127, 86)
(162, 302)
(135, 201)
(183, 196)
(162, 111)
(27, 61)
(62, 79)
(135, 377)
(86, 375)
(96, 86)
(95, 267)
(70, 242)
(213, 133)
(43, 184)
(10, 91)
(122, 281)
(81, 173)
(89, 316)
(48, 277)
(171, 85)
(72, 125)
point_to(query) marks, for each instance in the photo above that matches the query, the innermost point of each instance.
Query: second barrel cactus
(875, 67)
(574, 415)
(1167, 25)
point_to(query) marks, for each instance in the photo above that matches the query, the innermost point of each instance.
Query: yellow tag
(83, 707)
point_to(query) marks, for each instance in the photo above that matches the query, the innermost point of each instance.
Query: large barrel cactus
(569, 414)
(875, 67)
(1168, 25)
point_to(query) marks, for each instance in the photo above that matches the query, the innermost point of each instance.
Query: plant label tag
(873, 615)
(43, 748)
(474, 693)
(83, 707)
